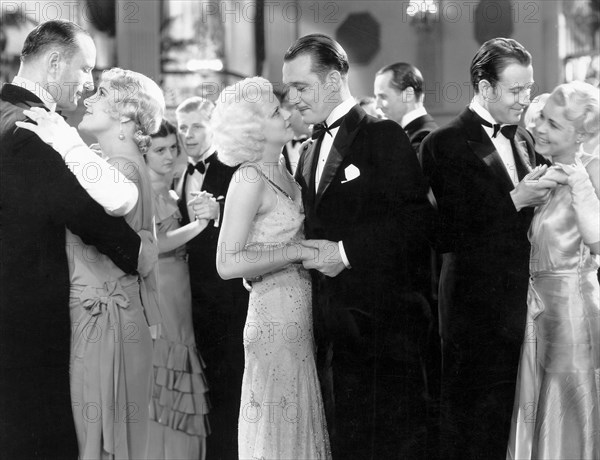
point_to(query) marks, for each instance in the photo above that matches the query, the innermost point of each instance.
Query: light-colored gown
(557, 402)
(111, 349)
(281, 413)
(179, 405)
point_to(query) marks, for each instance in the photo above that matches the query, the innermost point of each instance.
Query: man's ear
(333, 81)
(408, 95)
(485, 88)
(54, 61)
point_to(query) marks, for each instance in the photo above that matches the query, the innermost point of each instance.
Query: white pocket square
(351, 172)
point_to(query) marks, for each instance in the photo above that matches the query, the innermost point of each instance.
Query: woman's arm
(248, 196)
(103, 182)
(584, 185)
(172, 239)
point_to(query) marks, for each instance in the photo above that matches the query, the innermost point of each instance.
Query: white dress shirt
(102, 181)
(501, 143)
(195, 181)
(412, 115)
(326, 145)
(327, 142)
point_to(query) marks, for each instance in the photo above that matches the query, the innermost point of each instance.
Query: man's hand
(533, 190)
(328, 259)
(148, 257)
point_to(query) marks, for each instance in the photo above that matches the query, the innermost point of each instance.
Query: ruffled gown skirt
(179, 406)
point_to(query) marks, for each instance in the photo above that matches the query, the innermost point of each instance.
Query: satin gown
(557, 403)
(281, 413)
(179, 406)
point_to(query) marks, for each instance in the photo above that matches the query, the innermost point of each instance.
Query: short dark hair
(404, 75)
(493, 57)
(326, 54)
(166, 129)
(56, 33)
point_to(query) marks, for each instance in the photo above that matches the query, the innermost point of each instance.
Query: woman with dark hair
(178, 408)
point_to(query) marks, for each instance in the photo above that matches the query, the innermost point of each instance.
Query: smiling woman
(557, 405)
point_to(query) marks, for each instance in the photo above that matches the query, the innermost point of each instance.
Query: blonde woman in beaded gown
(281, 411)
(179, 405)
(557, 404)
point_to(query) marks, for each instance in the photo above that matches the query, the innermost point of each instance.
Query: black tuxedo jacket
(39, 196)
(484, 292)
(418, 129)
(203, 248)
(374, 214)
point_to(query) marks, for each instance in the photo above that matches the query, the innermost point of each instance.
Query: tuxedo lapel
(309, 168)
(340, 149)
(185, 218)
(484, 149)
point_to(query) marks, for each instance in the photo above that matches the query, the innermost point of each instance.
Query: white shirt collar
(412, 115)
(36, 89)
(341, 110)
(483, 113)
(204, 156)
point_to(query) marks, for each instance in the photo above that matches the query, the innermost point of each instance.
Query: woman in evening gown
(281, 413)
(179, 406)
(111, 311)
(557, 403)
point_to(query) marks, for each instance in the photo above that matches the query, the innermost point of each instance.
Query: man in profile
(399, 95)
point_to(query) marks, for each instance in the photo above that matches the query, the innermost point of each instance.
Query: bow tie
(200, 166)
(507, 131)
(297, 141)
(320, 129)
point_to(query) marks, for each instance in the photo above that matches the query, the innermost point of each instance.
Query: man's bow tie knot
(297, 141)
(507, 131)
(319, 129)
(200, 166)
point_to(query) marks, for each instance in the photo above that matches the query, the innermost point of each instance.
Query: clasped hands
(205, 205)
(322, 255)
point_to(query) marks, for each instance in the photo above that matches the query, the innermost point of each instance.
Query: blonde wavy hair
(238, 121)
(140, 100)
(580, 101)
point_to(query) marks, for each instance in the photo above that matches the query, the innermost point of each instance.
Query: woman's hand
(557, 174)
(575, 172)
(306, 252)
(52, 129)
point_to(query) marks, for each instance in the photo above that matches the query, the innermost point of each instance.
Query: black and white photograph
(300, 230)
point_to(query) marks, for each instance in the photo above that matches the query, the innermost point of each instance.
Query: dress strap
(274, 185)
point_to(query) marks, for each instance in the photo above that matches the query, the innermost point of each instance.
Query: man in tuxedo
(39, 196)
(399, 95)
(218, 306)
(478, 165)
(398, 90)
(364, 197)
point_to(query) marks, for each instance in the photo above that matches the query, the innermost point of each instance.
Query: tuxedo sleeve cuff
(343, 254)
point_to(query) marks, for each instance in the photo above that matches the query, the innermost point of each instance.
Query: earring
(121, 133)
